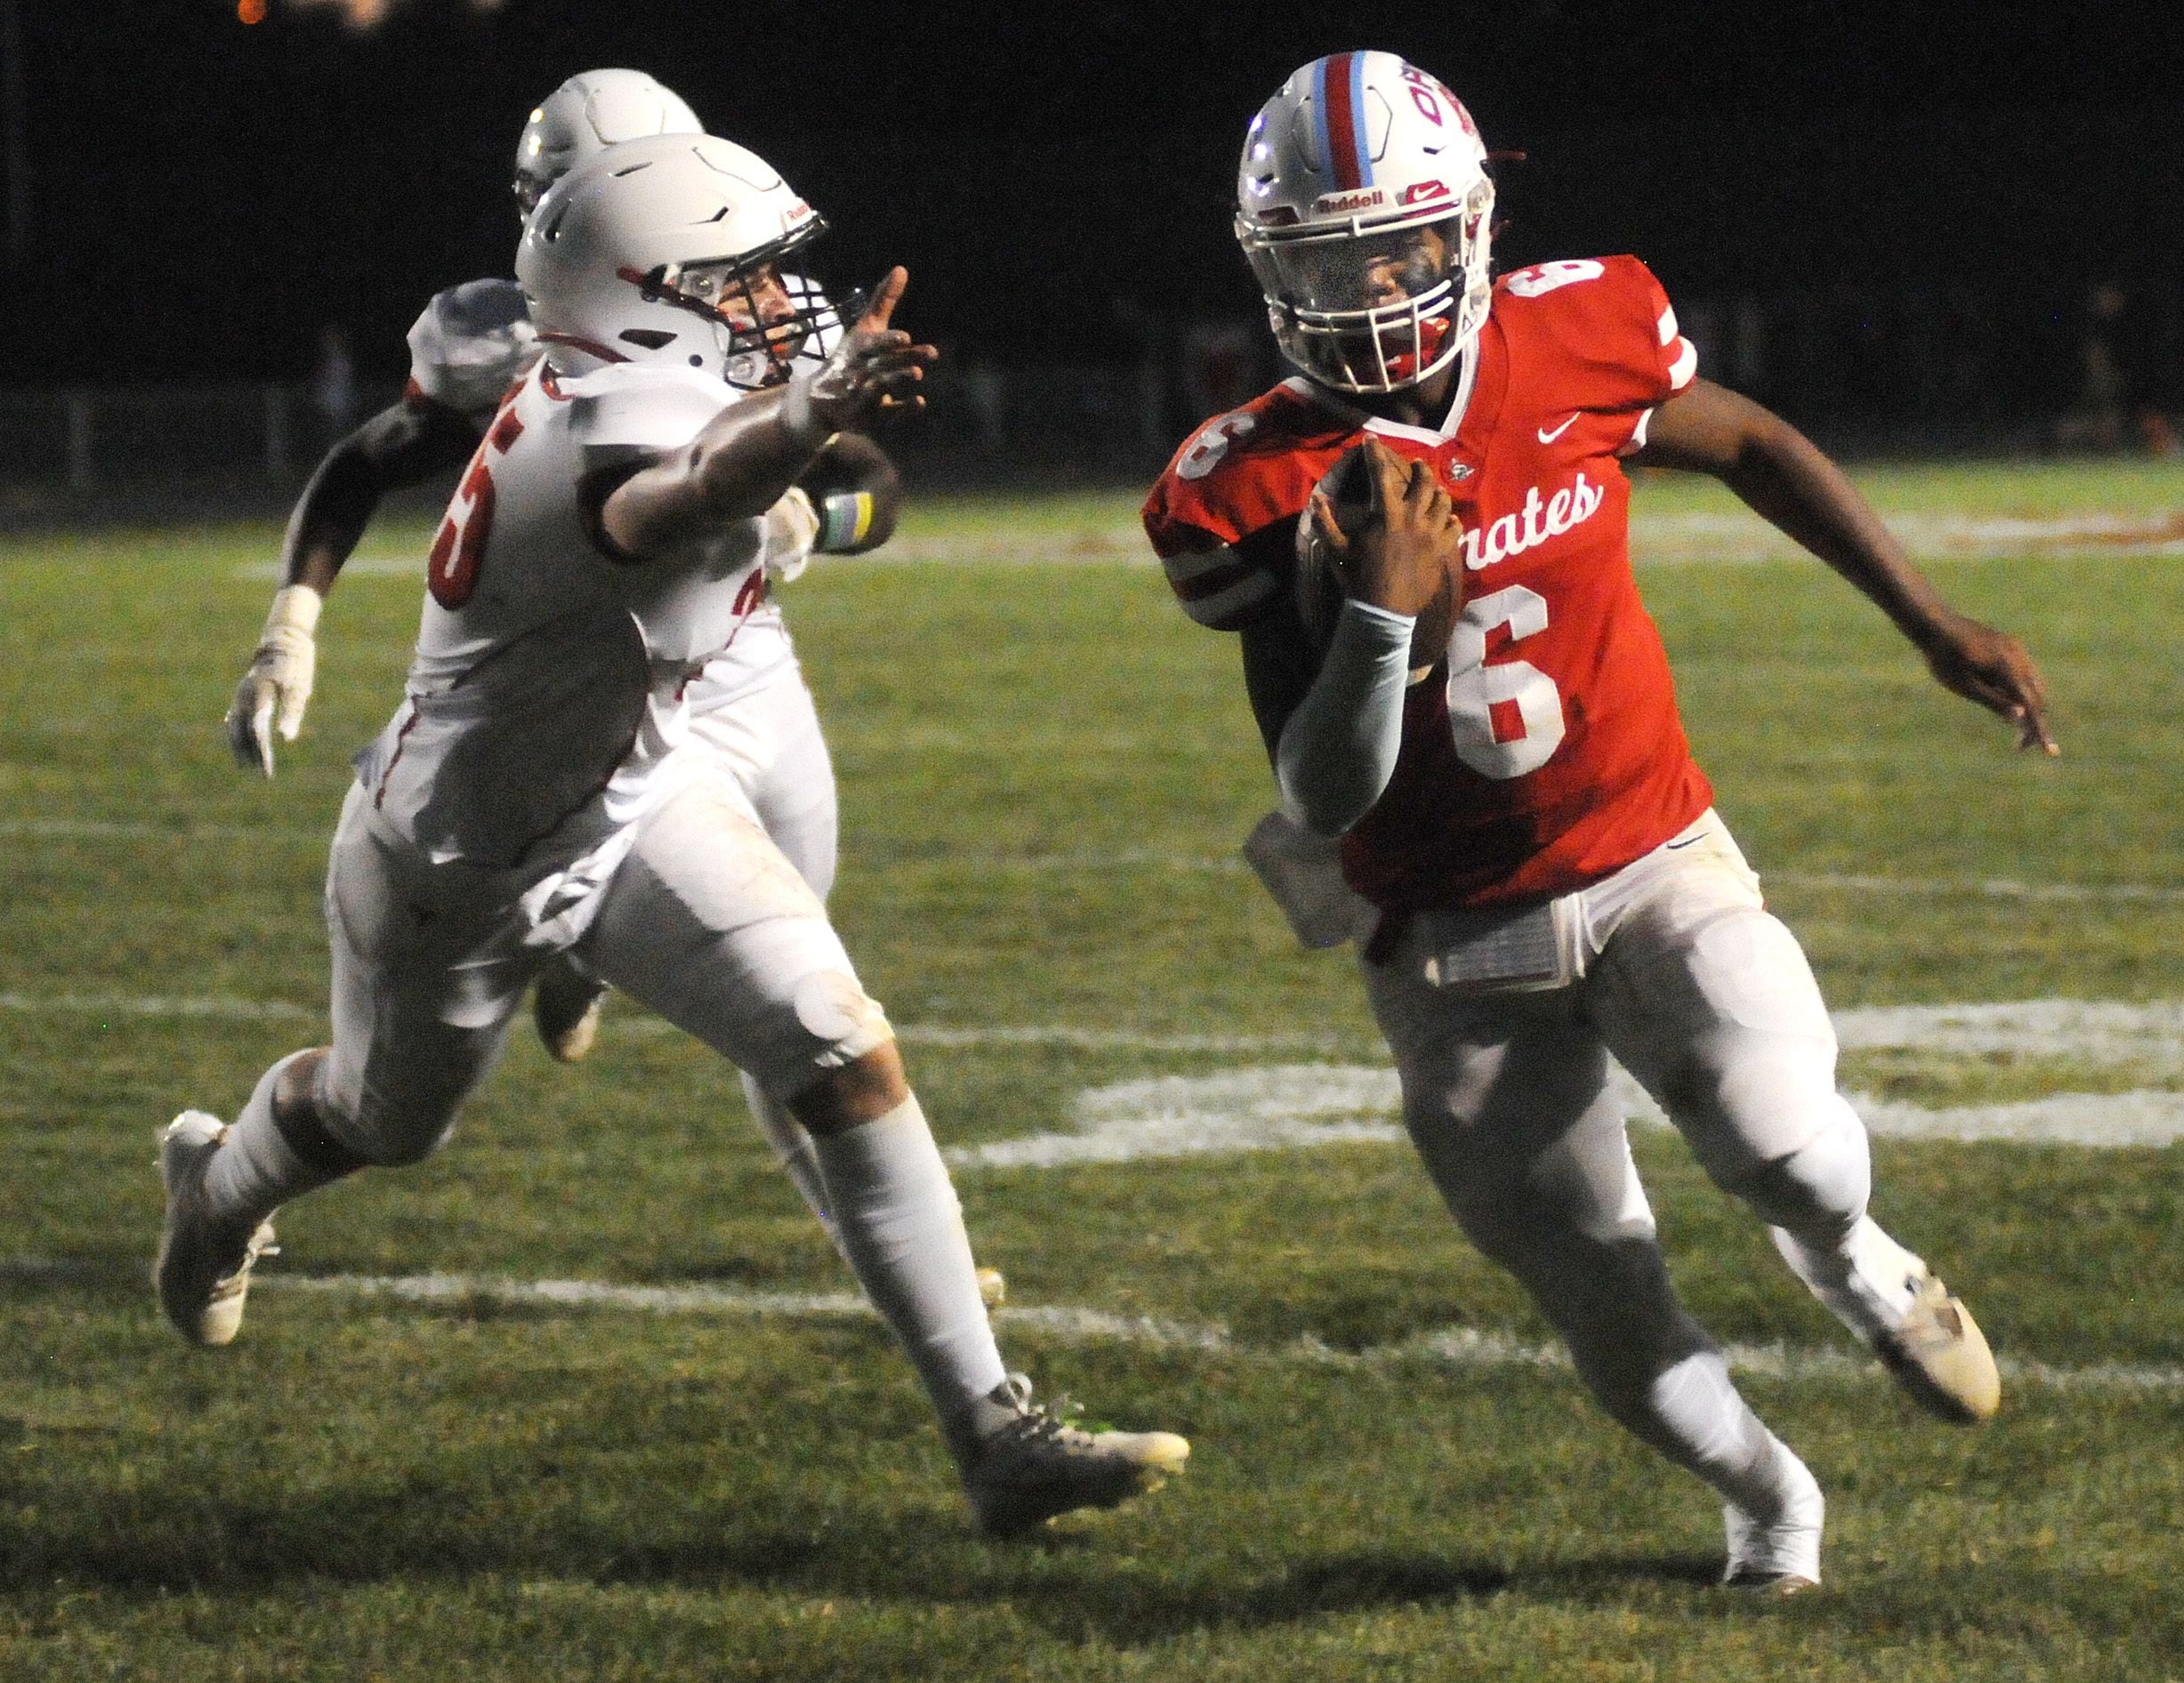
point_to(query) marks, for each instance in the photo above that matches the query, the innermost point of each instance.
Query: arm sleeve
(1339, 748)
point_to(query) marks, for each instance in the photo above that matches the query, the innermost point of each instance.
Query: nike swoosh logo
(1549, 435)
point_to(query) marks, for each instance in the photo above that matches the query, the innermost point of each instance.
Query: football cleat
(993, 1288)
(566, 1006)
(1940, 1357)
(1022, 1465)
(1782, 1557)
(203, 1268)
(1924, 1336)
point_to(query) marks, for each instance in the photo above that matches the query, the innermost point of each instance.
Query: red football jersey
(1549, 753)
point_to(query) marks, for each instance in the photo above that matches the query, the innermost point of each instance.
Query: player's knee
(1825, 1181)
(851, 1094)
(1746, 1097)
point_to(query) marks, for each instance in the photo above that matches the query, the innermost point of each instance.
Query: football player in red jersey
(1483, 776)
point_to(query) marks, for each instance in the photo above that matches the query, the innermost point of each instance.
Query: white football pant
(1709, 1001)
(705, 922)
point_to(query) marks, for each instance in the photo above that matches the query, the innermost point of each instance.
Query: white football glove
(276, 688)
(792, 530)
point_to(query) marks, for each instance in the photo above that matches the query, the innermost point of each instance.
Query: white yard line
(1993, 888)
(408, 566)
(1727, 536)
(156, 1005)
(1291, 1106)
(183, 832)
(1455, 1347)
(149, 830)
(1460, 1347)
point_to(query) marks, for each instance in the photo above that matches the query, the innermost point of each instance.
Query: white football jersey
(470, 343)
(763, 647)
(473, 342)
(547, 687)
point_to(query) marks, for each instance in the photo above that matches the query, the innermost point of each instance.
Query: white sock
(1712, 1431)
(1866, 1279)
(256, 1169)
(898, 1222)
(791, 1148)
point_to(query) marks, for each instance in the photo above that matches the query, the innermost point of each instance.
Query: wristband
(845, 520)
(295, 608)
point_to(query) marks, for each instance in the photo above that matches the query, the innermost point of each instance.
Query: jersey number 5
(459, 547)
(1506, 715)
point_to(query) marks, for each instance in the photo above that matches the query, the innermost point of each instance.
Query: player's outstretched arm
(1785, 479)
(401, 445)
(755, 450)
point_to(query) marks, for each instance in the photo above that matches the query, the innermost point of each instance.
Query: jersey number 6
(1506, 715)
(459, 547)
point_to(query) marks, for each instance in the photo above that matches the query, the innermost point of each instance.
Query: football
(1319, 584)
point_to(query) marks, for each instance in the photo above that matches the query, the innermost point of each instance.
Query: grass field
(1045, 770)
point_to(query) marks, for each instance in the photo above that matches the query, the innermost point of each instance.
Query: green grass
(1045, 770)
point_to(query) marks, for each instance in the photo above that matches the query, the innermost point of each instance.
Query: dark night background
(1919, 196)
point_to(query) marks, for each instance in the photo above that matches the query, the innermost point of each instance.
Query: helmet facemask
(763, 308)
(1376, 307)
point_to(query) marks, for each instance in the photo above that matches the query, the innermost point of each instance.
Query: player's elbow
(1327, 805)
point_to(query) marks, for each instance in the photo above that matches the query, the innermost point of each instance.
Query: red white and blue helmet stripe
(1338, 112)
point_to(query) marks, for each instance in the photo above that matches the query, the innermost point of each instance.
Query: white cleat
(203, 1268)
(1022, 1465)
(1924, 1336)
(1938, 1355)
(1783, 1556)
(565, 1005)
(993, 1288)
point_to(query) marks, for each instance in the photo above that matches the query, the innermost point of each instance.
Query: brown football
(1320, 587)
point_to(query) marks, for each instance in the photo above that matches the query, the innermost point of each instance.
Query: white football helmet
(682, 249)
(585, 115)
(1364, 206)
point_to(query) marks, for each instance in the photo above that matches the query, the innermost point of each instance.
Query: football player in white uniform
(537, 791)
(468, 346)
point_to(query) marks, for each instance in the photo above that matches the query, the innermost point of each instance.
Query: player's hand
(876, 367)
(1404, 554)
(275, 689)
(1992, 668)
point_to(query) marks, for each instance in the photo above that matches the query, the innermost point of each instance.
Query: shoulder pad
(632, 406)
(1607, 314)
(1223, 518)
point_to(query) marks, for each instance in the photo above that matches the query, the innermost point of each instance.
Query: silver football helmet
(1363, 205)
(680, 248)
(585, 115)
